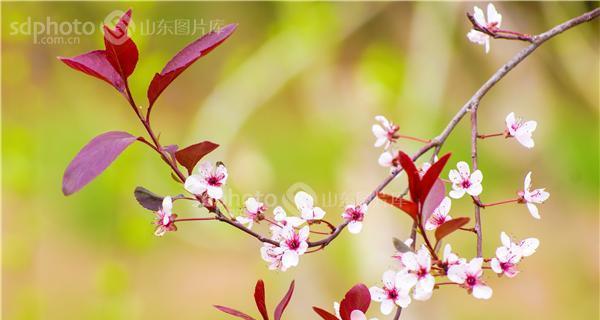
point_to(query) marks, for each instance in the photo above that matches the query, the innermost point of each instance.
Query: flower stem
(485, 136)
(194, 219)
(485, 205)
(413, 138)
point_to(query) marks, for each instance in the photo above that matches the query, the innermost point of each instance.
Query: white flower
(165, 218)
(417, 273)
(465, 181)
(355, 215)
(359, 315)
(531, 197)
(510, 254)
(439, 215)
(274, 256)
(521, 130)
(305, 204)
(294, 245)
(207, 180)
(494, 20)
(426, 165)
(450, 259)
(386, 159)
(336, 308)
(385, 133)
(253, 211)
(283, 220)
(398, 255)
(392, 293)
(469, 276)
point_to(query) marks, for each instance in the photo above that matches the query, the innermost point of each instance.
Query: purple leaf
(431, 176)
(185, 58)
(96, 156)
(357, 298)
(259, 297)
(450, 226)
(433, 200)
(234, 312)
(121, 51)
(284, 302)
(96, 64)
(326, 315)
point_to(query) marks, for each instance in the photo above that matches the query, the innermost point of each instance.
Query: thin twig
(476, 206)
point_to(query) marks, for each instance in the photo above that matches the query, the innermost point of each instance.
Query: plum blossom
(385, 132)
(294, 244)
(355, 214)
(531, 197)
(398, 255)
(388, 159)
(510, 254)
(425, 166)
(165, 219)
(359, 315)
(468, 275)
(494, 20)
(439, 215)
(305, 204)
(521, 130)
(465, 181)
(416, 272)
(274, 256)
(283, 221)
(207, 180)
(450, 259)
(254, 210)
(392, 293)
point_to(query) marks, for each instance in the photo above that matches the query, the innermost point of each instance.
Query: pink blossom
(417, 273)
(392, 293)
(253, 210)
(165, 219)
(294, 244)
(305, 204)
(521, 130)
(273, 255)
(450, 259)
(385, 132)
(469, 275)
(207, 180)
(439, 215)
(510, 254)
(355, 214)
(532, 197)
(494, 20)
(283, 221)
(465, 181)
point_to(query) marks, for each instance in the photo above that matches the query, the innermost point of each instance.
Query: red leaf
(325, 314)
(96, 64)
(405, 205)
(190, 156)
(121, 51)
(259, 297)
(433, 199)
(431, 176)
(413, 176)
(96, 156)
(284, 302)
(357, 298)
(234, 312)
(450, 226)
(185, 58)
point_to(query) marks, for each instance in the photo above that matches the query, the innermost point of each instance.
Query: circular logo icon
(118, 35)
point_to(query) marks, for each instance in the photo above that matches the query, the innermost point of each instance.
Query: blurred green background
(291, 98)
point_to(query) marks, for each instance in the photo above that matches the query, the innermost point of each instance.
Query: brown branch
(499, 33)
(476, 206)
(437, 142)
(398, 313)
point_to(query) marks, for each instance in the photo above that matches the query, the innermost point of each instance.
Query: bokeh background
(291, 98)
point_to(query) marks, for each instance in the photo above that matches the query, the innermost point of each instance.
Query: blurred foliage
(291, 99)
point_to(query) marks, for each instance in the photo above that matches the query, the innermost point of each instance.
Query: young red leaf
(433, 199)
(284, 302)
(234, 312)
(325, 314)
(413, 176)
(121, 51)
(405, 205)
(432, 174)
(357, 298)
(259, 297)
(185, 58)
(96, 64)
(96, 156)
(190, 156)
(450, 226)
